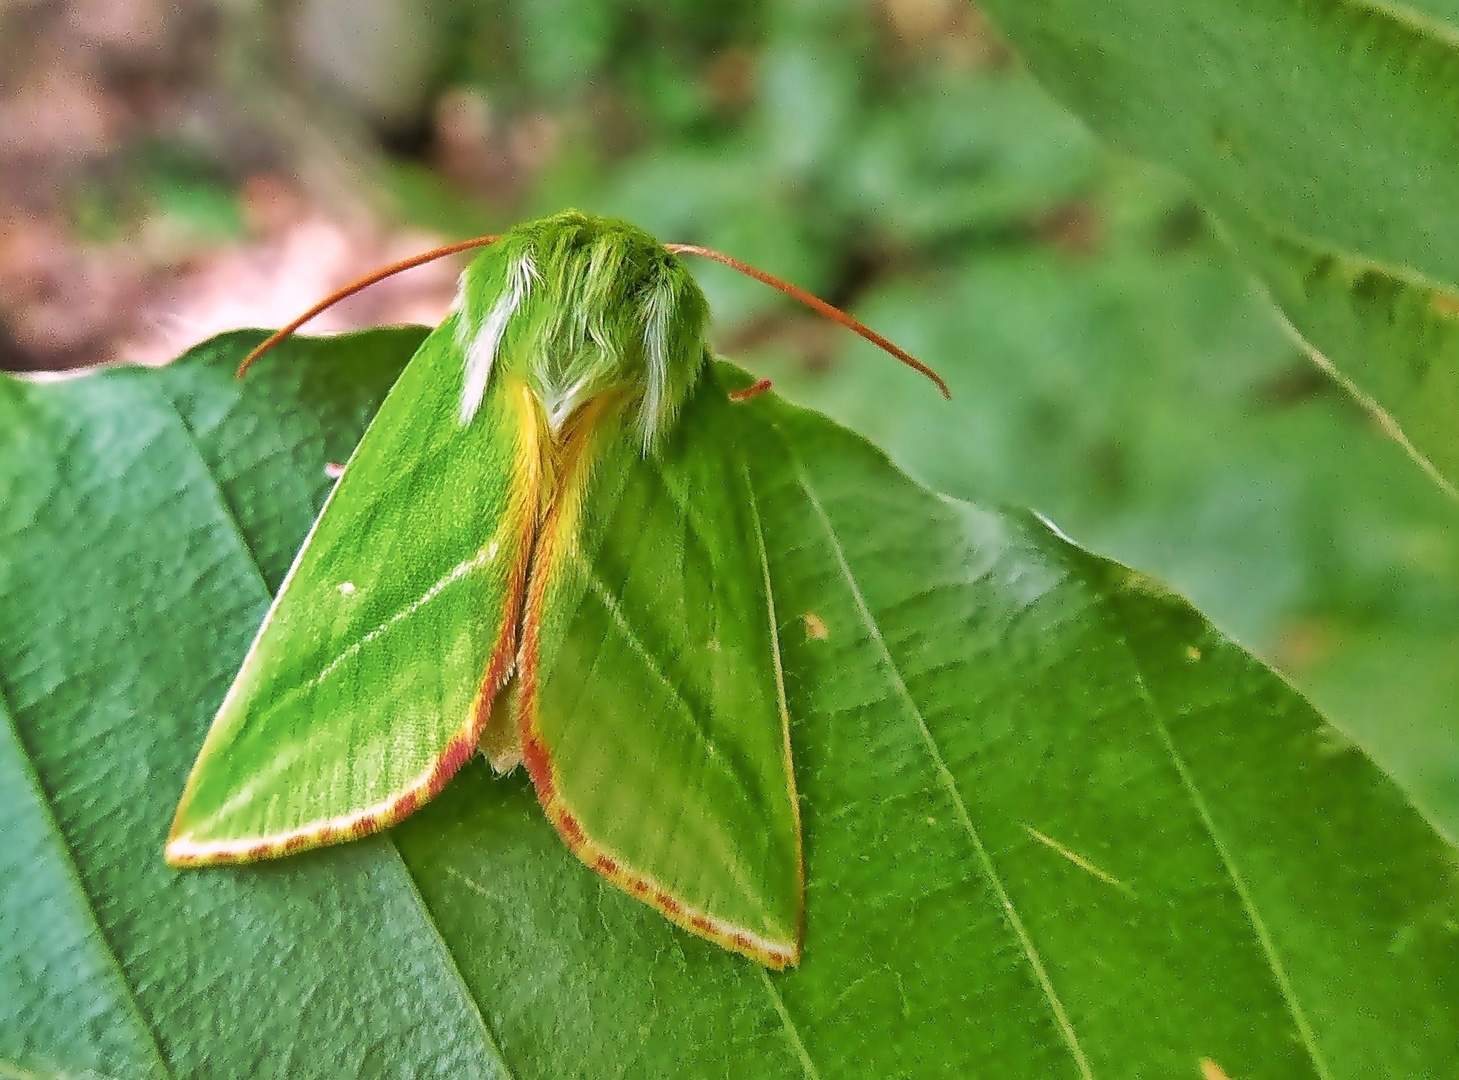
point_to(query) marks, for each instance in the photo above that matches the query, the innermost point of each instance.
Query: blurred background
(173, 168)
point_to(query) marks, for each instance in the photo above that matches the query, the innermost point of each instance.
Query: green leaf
(966, 156)
(1321, 135)
(1055, 824)
(1150, 404)
(1390, 338)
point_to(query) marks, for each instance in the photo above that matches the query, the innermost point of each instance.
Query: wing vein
(948, 782)
(464, 569)
(600, 592)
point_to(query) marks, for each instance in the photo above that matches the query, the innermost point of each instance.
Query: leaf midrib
(777, 999)
(430, 919)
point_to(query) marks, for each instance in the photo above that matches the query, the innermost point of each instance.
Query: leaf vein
(949, 783)
(1228, 862)
(228, 513)
(75, 875)
(425, 909)
(791, 1031)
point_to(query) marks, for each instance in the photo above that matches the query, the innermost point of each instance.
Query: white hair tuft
(482, 347)
(658, 309)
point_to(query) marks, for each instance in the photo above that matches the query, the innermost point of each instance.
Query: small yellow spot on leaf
(1211, 1071)
(1446, 304)
(815, 627)
(346, 587)
(1192, 653)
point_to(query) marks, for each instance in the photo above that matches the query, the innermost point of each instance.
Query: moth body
(546, 547)
(579, 308)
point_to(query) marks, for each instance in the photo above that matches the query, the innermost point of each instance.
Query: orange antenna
(815, 303)
(363, 283)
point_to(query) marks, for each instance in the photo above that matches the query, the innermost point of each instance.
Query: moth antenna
(816, 304)
(363, 283)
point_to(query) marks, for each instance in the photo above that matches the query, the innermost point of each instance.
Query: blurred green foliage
(165, 184)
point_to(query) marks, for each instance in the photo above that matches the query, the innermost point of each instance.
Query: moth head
(581, 306)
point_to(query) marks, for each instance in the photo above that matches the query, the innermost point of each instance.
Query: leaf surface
(1055, 824)
(1321, 135)
(1151, 406)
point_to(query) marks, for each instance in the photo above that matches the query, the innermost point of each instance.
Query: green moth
(546, 546)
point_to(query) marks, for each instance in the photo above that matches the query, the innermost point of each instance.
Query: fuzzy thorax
(581, 306)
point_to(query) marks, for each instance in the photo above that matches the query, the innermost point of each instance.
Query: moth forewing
(554, 488)
(372, 677)
(651, 705)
